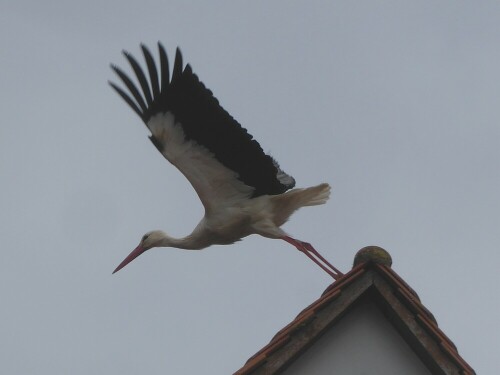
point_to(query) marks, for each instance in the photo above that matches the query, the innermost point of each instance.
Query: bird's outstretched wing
(189, 127)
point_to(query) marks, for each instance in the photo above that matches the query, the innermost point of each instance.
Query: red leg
(308, 250)
(315, 252)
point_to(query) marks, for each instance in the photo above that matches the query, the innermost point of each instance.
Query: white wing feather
(216, 185)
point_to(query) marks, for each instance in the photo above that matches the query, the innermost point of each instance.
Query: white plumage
(243, 190)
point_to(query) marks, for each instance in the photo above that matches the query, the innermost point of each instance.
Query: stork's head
(149, 240)
(152, 239)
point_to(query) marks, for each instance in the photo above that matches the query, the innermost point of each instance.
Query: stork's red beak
(134, 254)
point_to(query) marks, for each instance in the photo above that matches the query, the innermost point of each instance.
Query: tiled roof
(373, 279)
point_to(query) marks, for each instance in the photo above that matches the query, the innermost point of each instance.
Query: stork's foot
(315, 256)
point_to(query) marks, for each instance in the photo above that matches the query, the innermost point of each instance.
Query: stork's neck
(190, 242)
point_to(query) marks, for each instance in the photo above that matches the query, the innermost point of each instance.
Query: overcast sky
(395, 104)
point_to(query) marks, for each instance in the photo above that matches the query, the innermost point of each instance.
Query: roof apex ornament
(373, 254)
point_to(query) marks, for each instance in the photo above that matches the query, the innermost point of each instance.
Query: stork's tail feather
(286, 204)
(315, 195)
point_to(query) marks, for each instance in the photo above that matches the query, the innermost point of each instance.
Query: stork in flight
(243, 190)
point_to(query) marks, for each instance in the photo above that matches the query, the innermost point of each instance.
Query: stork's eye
(144, 237)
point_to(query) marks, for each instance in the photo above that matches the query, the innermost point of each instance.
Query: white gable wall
(362, 343)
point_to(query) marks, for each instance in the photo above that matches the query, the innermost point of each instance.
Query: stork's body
(243, 190)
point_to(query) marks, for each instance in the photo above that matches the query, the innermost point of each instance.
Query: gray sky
(396, 104)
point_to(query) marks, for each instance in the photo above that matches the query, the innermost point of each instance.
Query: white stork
(243, 190)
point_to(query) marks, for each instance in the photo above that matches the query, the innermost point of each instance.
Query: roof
(371, 277)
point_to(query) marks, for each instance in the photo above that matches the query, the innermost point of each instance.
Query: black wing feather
(177, 71)
(165, 70)
(153, 73)
(127, 99)
(206, 122)
(130, 85)
(140, 76)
